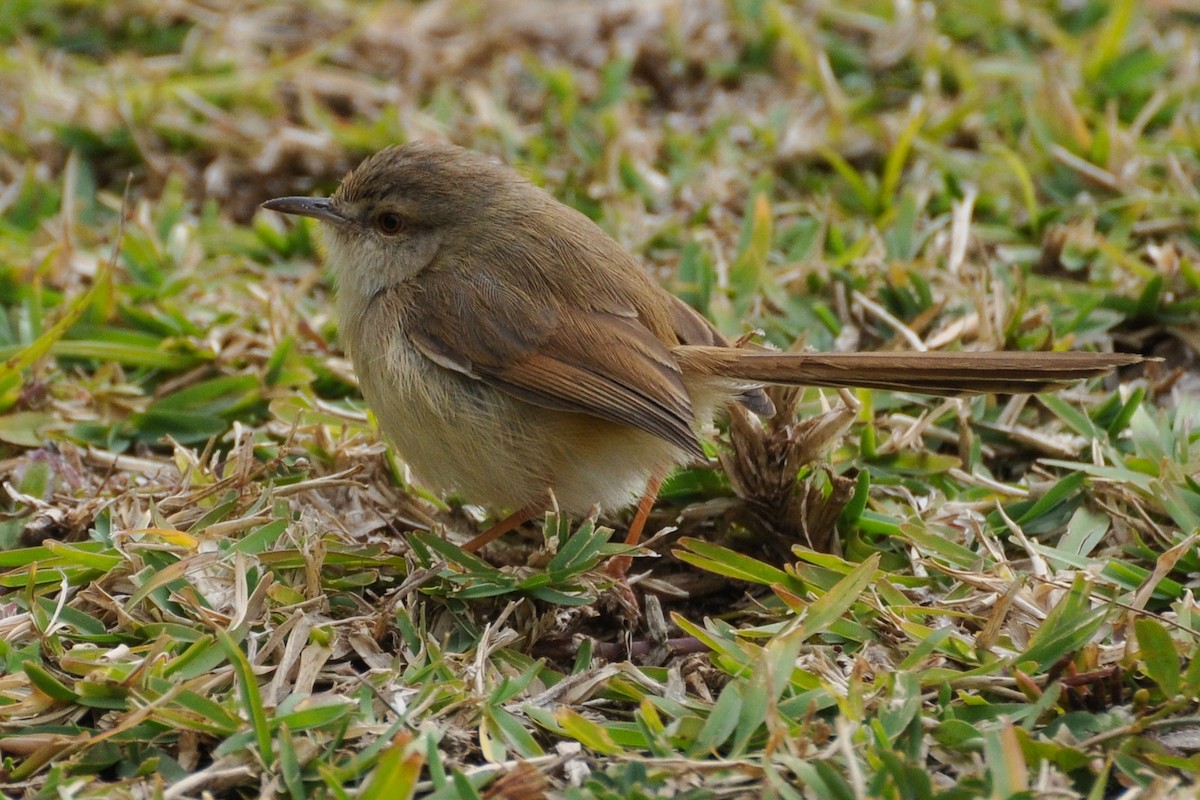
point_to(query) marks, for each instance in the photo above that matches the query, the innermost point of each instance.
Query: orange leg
(511, 522)
(620, 564)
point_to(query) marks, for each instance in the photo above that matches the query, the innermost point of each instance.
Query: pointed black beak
(316, 207)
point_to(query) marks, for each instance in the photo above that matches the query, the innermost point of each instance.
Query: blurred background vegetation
(208, 586)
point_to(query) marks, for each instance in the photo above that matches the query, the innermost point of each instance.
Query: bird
(515, 355)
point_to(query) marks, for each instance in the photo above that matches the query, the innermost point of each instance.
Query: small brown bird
(510, 348)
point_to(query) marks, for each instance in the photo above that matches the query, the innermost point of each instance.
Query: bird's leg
(620, 564)
(511, 522)
(644, 507)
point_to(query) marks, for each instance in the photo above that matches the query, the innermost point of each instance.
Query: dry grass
(218, 582)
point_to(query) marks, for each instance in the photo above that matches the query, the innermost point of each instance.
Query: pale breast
(461, 436)
(457, 435)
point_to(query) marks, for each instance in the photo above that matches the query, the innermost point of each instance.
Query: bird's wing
(599, 361)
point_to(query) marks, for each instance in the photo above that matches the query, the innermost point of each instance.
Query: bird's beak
(316, 207)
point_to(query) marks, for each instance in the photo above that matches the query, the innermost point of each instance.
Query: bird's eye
(389, 223)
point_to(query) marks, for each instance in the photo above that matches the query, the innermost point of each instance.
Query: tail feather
(937, 373)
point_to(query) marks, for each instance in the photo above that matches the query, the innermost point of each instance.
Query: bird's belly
(461, 436)
(448, 428)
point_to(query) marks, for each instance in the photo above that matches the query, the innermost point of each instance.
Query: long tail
(937, 373)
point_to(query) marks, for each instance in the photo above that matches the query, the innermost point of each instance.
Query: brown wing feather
(692, 328)
(607, 365)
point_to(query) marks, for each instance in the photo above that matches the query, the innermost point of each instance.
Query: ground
(218, 581)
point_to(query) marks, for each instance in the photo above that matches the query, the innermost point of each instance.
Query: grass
(217, 579)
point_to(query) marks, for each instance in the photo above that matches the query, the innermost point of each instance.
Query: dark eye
(390, 223)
